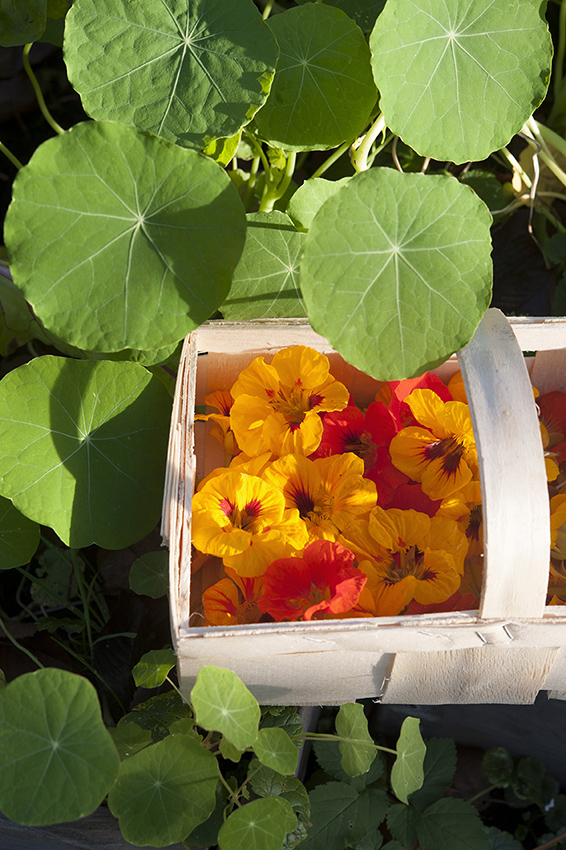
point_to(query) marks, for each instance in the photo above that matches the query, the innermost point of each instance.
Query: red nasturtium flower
(277, 405)
(552, 408)
(322, 582)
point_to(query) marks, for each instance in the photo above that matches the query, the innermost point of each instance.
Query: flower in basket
(552, 408)
(440, 453)
(232, 600)
(244, 520)
(277, 405)
(222, 400)
(322, 582)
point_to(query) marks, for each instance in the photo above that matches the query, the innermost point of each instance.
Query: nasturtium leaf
(265, 284)
(499, 767)
(407, 773)
(309, 198)
(16, 318)
(457, 80)
(359, 752)
(396, 270)
(113, 236)
(19, 536)
(83, 447)
(261, 825)
(149, 574)
(364, 12)
(323, 91)
(188, 70)
(21, 21)
(266, 782)
(329, 757)
(153, 668)
(274, 749)
(229, 751)
(222, 703)
(57, 760)
(159, 714)
(451, 823)
(223, 150)
(163, 792)
(129, 739)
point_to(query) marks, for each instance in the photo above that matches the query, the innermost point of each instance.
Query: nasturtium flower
(277, 405)
(406, 555)
(441, 455)
(552, 407)
(222, 400)
(232, 600)
(243, 520)
(323, 582)
(327, 492)
(465, 506)
(398, 407)
(558, 527)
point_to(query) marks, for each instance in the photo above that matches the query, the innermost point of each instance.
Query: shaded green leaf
(153, 668)
(113, 237)
(451, 823)
(266, 280)
(458, 80)
(57, 760)
(188, 71)
(129, 739)
(396, 270)
(341, 817)
(359, 752)
(17, 324)
(364, 12)
(261, 824)
(329, 758)
(498, 766)
(266, 782)
(163, 792)
(229, 751)
(206, 834)
(19, 536)
(402, 823)
(323, 91)
(284, 717)
(21, 21)
(274, 749)
(439, 768)
(499, 840)
(222, 703)
(83, 448)
(159, 714)
(149, 574)
(407, 772)
(309, 198)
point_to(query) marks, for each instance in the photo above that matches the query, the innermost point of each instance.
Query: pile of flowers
(324, 510)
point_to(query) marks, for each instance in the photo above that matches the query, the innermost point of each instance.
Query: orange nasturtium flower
(327, 492)
(277, 405)
(406, 555)
(321, 582)
(222, 400)
(232, 600)
(243, 520)
(465, 506)
(441, 455)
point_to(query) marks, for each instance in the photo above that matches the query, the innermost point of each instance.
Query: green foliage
(274, 749)
(358, 750)
(223, 703)
(152, 670)
(19, 536)
(407, 773)
(262, 824)
(149, 575)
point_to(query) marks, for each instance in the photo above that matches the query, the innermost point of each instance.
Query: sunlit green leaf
(83, 447)
(457, 80)
(274, 748)
(359, 752)
(57, 761)
(163, 792)
(149, 574)
(396, 270)
(309, 198)
(187, 70)
(364, 12)
(265, 284)
(113, 237)
(222, 703)
(261, 825)
(153, 668)
(19, 536)
(323, 91)
(407, 773)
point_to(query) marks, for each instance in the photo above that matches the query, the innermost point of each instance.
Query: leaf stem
(559, 59)
(267, 10)
(537, 137)
(516, 166)
(251, 182)
(46, 114)
(481, 793)
(334, 156)
(322, 736)
(361, 152)
(13, 159)
(552, 842)
(273, 193)
(19, 646)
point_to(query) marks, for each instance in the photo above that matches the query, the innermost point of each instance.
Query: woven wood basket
(505, 652)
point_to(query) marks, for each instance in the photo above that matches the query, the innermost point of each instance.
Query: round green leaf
(358, 752)
(458, 80)
(83, 447)
(113, 237)
(164, 791)
(149, 575)
(309, 198)
(407, 773)
(21, 21)
(57, 760)
(396, 270)
(364, 12)
(187, 70)
(323, 91)
(222, 703)
(275, 749)
(19, 536)
(266, 280)
(153, 668)
(129, 739)
(261, 825)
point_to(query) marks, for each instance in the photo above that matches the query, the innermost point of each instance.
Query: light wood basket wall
(505, 652)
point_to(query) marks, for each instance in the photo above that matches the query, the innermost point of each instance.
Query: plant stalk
(13, 159)
(360, 154)
(42, 105)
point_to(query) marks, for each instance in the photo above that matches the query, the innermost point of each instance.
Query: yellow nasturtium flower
(243, 520)
(277, 405)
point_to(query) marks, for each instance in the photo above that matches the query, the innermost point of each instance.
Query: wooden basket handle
(516, 515)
